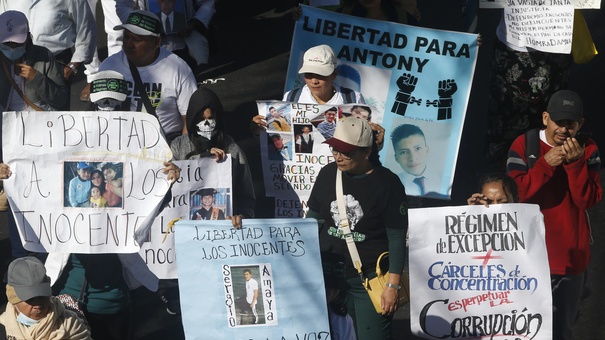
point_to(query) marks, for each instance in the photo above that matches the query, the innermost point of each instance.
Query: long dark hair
(201, 100)
(102, 186)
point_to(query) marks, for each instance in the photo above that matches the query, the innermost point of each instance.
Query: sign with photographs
(203, 192)
(417, 79)
(263, 281)
(83, 182)
(293, 151)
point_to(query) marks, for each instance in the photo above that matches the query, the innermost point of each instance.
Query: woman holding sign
(376, 209)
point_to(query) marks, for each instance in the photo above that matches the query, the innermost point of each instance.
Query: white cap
(319, 60)
(351, 133)
(108, 84)
(142, 22)
(13, 27)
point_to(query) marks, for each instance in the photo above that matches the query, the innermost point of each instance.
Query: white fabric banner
(478, 272)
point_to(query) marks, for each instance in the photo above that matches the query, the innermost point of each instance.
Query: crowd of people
(158, 47)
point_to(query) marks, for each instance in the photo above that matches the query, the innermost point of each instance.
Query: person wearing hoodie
(207, 138)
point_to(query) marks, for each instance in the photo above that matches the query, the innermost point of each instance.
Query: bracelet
(390, 285)
(72, 67)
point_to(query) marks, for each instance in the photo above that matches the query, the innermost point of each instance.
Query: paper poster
(478, 272)
(580, 4)
(292, 148)
(172, 14)
(412, 76)
(546, 28)
(83, 182)
(203, 192)
(263, 281)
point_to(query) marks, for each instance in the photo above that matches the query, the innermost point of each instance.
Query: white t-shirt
(168, 81)
(251, 286)
(337, 99)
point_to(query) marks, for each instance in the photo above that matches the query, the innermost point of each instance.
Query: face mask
(206, 127)
(108, 104)
(24, 320)
(12, 53)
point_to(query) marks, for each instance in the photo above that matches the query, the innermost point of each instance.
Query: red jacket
(564, 193)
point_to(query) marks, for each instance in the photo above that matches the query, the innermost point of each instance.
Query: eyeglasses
(345, 155)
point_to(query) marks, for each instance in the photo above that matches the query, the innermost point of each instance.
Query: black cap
(565, 104)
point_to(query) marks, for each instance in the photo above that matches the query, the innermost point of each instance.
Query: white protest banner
(417, 79)
(478, 272)
(263, 281)
(579, 4)
(83, 182)
(204, 187)
(546, 28)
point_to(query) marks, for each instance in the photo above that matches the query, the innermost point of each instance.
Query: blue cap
(83, 165)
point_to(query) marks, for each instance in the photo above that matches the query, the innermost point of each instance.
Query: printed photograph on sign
(304, 138)
(93, 184)
(210, 204)
(278, 118)
(416, 152)
(280, 147)
(171, 13)
(325, 123)
(248, 296)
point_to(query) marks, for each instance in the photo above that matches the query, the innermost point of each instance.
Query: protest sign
(478, 272)
(579, 4)
(59, 157)
(263, 281)
(411, 75)
(202, 181)
(292, 148)
(546, 28)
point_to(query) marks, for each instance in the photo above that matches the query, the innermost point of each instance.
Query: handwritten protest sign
(412, 76)
(580, 4)
(83, 182)
(479, 272)
(202, 181)
(292, 149)
(546, 28)
(263, 281)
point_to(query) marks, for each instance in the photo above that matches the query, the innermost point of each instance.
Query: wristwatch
(390, 285)
(72, 67)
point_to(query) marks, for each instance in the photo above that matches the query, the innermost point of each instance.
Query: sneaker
(172, 306)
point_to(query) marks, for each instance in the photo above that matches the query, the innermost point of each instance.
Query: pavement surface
(253, 40)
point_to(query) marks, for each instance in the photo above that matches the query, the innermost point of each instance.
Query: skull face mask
(206, 127)
(108, 104)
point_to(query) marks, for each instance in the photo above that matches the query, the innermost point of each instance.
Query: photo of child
(93, 184)
(96, 200)
(79, 186)
(113, 184)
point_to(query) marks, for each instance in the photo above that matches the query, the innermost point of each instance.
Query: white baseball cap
(108, 84)
(141, 22)
(13, 27)
(319, 60)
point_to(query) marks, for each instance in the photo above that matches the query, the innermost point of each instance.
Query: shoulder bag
(374, 286)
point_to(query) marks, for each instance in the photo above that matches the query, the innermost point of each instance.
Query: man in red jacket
(565, 182)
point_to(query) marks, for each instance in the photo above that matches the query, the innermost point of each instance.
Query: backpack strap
(348, 94)
(532, 147)
(294, 95)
